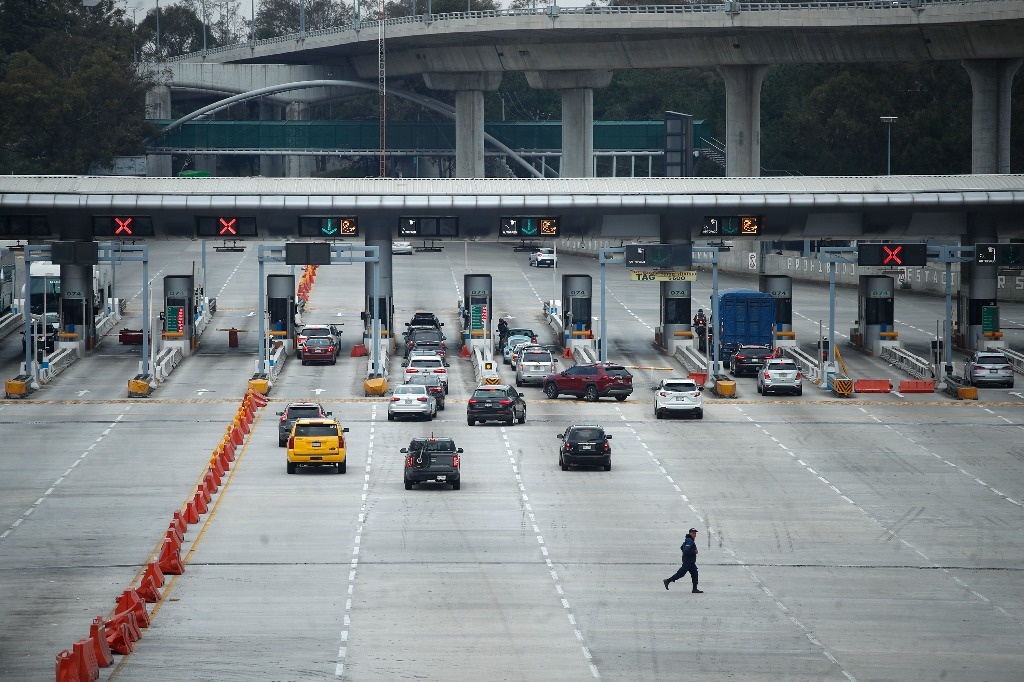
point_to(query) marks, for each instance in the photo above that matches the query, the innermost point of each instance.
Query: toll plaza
(477, 313)
(282, 308)
(577, 312)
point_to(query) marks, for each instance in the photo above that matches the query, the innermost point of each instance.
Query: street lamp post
(888, 120)
(158, 30)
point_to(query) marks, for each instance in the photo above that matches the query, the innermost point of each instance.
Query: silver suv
(533, 365)
(777, 375)
(986, 367)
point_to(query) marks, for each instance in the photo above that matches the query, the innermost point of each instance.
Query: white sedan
(544, 256)
(678, 395)
(411, 400)
(404, 248)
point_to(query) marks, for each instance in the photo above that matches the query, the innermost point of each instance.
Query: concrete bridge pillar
(978, 286)
(271, 165)
(158, 106)
(743, 119)
(991, 82)
(577, 88)
(298, 165)
(377, 231)
(469, 116)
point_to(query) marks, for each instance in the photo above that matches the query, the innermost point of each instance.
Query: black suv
(598, 380)
(432, 459)
(425, 338)
(748, 359)
(297, 411)
(585, 444)
(422, 319)
(496, 402)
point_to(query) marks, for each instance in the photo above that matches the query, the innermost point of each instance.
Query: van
(316, 442)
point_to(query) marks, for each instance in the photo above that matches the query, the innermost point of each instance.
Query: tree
(282, 17)
(74, 98)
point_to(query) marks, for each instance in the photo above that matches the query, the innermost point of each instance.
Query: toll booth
(676, 328)
(477, 312)
(875, 314)
(780, 287)
(577, 311)
(281, 308)
(178, 314)
(77, 308)
(386, 312)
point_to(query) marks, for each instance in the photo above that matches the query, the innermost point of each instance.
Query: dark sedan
(748, 359)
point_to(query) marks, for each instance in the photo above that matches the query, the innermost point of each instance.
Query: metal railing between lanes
(1016, 359)
(906, 361)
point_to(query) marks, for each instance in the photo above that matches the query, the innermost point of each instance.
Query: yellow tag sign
(663, 275)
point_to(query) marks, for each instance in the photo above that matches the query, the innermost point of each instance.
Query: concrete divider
(10, 323)
(872, 386)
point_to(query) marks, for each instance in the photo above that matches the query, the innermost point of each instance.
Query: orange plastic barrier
(917, 386)
(148, 590)
(85, 660)
(872, 386)
(67, 667)
(153, 571)
(122, 631)
(191, 513)
(700, 377)
(170, 559)
(200, 502)
(359, 351)
(130, 600)
(98, 634)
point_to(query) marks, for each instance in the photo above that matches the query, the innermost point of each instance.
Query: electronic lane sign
(529, 226)
(731, 226)
(429, 226)
(1003, 255)
(225, 227)
(122, 227)
(660, 255)
(24, 226)
(892, 254)
(328, 226)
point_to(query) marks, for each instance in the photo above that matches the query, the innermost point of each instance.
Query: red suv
(599, 380)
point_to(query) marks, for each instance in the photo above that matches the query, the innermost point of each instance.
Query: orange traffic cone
(217, 467)
(567, 354)
(236, 436)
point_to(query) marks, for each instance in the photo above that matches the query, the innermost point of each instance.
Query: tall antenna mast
(382, 90)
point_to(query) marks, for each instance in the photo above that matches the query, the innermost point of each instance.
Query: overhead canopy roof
(884, 205)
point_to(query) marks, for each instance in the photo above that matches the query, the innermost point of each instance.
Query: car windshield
(754, 352)
(433, 445)
(318, 341)
(316, 430)
(422, 335)
(318, 331)
(536, 357)
(680, 386)
(489, 393)
(303, 412)
(586, 434)
(787, 366)
(425, 380)
(410, 389)
(546, 252)
(992, 360)
(617, 372)
(521, 331)
(426, 363)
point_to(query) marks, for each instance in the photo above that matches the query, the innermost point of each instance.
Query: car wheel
(408, 484)
(620, 398)
(699, 413)
(282, 443)
(446, 389)
(290, 468)
(471, 421)
(551, 391)
(522, 417)
(441, 406)
(304, 363)
(334, 361)
(658, 414)
(759, 387)
(342, 467)
(391, 417)
(519, 384)
(591, 395)
(457, 485)
(608, 466)
(561, 463)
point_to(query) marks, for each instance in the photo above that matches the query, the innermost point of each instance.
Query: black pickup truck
(432, 459)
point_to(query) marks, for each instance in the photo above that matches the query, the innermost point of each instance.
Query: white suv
(780, 374)
(678, 395)
(544, 256)
(428, 364)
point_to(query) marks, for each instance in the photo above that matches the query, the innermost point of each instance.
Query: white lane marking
(74, 465)
(753, 576)
(339, 668)
(893, 533)
(559, 589)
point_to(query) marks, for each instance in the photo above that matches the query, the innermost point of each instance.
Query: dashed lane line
(49, 491)
(559, 590)
(808, 633)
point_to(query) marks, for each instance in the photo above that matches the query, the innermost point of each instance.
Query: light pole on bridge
(888, 120)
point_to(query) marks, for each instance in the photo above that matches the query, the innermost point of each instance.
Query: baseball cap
(693, 530)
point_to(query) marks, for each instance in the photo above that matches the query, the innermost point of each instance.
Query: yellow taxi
(316, 442)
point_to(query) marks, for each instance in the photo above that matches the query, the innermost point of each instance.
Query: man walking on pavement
(689, 548)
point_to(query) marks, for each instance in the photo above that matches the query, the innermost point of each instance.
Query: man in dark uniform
(689, 548)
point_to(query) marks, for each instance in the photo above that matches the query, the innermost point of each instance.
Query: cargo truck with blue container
(746, 317)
